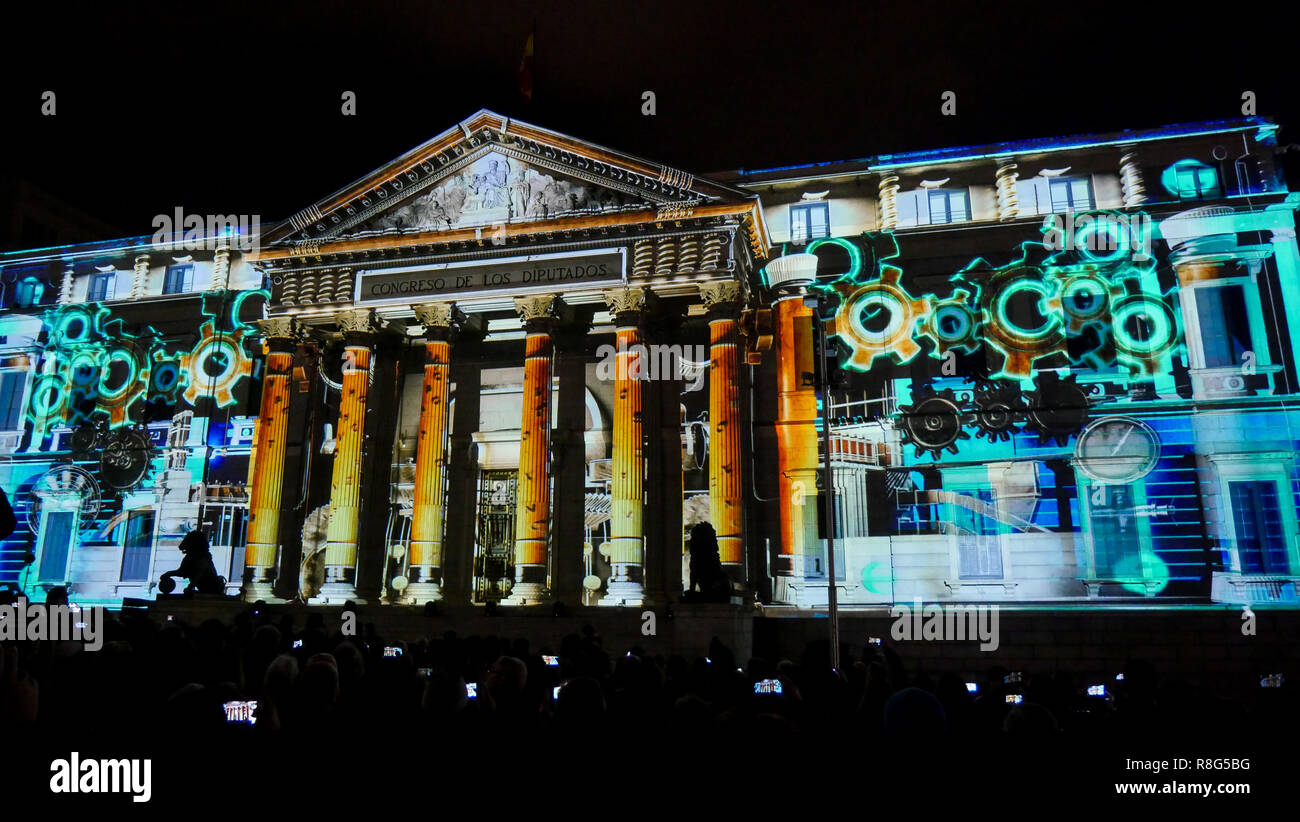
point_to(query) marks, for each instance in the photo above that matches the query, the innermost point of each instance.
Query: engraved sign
(541, 272)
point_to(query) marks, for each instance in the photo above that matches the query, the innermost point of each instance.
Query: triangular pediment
(493, 187)
(490, 171)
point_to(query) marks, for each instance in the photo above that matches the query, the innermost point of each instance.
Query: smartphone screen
(471, 690)
(241, 712)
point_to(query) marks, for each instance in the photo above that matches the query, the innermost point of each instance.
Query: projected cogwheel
(1010, 301)
(1145, 330)
(933, 422)
(76, 324)
(876, 319)
(953, 324)
(123, 379)
(1058, 408)
(1085, 298)
(124, 460)
(999, 409)
(215, 365)
(166, 377)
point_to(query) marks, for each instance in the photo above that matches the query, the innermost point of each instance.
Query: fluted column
(345, 483)
(428, 512)
(268, 462)
(533, 494)
(722, 300)
(796, 435)
(627, 538)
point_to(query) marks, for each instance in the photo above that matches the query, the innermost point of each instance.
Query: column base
(623, 595)
(528, 593)
(418, 593)
(336, 593)
(254, 591)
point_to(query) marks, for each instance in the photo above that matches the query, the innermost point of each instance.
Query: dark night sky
(234, 107)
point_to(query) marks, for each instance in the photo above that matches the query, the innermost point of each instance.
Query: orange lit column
(268, 462)
(796, 436)
(627, 538)
(533, 492)
(428, 514)
(722, 300)
(345, 484)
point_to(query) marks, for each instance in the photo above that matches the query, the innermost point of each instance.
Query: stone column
(533, 495)
(627, 543)
(220, 267)
(264, 501)
(1132, 188)
(140, 278)
(345, 484)
(1007, 197)
(425, 568)
(65, 285)
(722, 301)
(796, 435)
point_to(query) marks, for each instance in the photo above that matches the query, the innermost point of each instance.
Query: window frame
(187, 279)
(1274, 466)
(110, 290)
(804, 211)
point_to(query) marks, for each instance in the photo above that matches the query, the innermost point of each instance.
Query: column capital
(720, 296)
(537, 310)
(626, 304)
(1283, 235)
(355, 321)
(277, 328)
(434, 315)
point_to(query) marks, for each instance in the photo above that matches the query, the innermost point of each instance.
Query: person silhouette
(706, 565)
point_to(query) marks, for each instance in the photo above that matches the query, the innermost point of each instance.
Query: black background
(234, 107)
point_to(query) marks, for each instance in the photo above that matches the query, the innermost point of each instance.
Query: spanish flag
(526, 67)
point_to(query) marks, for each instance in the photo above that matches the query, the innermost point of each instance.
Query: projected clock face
(1117, 450)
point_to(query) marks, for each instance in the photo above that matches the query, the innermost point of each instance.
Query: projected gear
(952, 324)
(86, 437)
(166, 377)
(216, 364)
(1058, 408)
(999, 409)
(123, 378)
(125, 458)
(863, 303)
(1085, 298)
(933, 422)
(71, 487)
(76, 324)
(1021, 345)
(1145, 331)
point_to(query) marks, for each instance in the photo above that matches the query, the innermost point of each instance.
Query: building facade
(511, 366)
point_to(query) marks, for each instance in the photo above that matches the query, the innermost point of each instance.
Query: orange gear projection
(216, 365)
(866, 301)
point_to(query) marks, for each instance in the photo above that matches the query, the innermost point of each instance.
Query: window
(1116, 534)
(1070, 194)
(1225, 324)
(103, 287)
(180, 278)
(56, 542)
(1191, 180)
(1261, 536)
(12, 386)
(139, 540)
(979, 550)
(808, 221)
(949, 206)
(29, 292)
